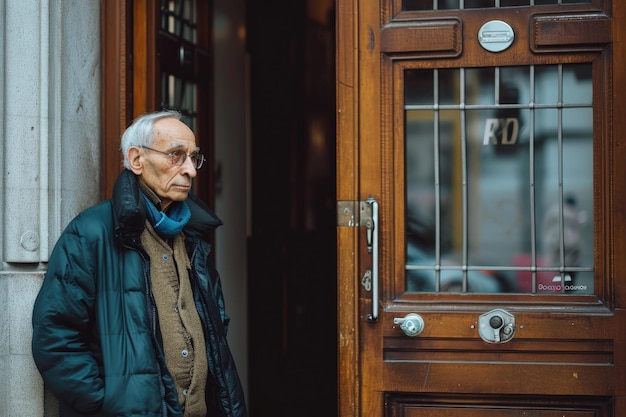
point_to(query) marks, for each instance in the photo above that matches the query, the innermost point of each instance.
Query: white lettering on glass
(507, 129)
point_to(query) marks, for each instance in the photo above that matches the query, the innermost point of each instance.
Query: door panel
(496, 407)
(490, 155)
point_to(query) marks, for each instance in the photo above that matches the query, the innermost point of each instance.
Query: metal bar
(465, 193)
(437, 139)
(493, 106)
(560, 165)
(532, 191)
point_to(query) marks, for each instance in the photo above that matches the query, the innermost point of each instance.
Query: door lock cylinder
(496, 326)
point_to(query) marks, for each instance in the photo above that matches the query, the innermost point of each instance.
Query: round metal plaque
(496, 36)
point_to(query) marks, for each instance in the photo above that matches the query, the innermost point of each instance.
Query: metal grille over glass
(499, 180)
(422, 5)
(178, 17)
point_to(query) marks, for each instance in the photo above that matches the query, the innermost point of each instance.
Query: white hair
(141, 132)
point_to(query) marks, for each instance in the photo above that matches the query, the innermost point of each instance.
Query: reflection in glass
(422, 5)
(420, 198)
(499, 180)
(448, 82)
(433, 185)
(577, 84)
(417, 4)
(179, 94)
(497, 213)
(513, 3)
(479, 85)
(479, 4)
(577, 180)
(546, 78)
(178, 17)
(419, 87)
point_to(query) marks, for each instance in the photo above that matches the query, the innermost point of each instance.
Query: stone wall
(50, 164)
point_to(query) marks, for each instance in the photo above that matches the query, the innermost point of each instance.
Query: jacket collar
(129, 211)
(202, 221)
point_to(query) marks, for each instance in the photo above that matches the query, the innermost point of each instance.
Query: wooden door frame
(117, 86)
(350, 97)
(347, 190)
(127, 76)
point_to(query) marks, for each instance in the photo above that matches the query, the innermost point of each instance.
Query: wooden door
(481, 176)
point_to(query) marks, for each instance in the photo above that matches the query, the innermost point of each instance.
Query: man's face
(168, 181)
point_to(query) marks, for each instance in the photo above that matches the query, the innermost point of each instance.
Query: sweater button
(165, 257)
(176, 309)
(185, 353)
(185, 392)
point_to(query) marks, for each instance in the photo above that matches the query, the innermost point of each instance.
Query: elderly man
(130, 319)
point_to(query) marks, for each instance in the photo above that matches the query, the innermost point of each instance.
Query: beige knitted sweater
(181, 329)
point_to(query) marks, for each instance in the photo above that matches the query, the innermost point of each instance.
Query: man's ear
(135, 159)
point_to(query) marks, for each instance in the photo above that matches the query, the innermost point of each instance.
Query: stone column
(50, 164)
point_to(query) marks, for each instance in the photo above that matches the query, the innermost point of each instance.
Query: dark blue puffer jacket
(95, 332)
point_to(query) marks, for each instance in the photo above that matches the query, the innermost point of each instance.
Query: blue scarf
(170, 224)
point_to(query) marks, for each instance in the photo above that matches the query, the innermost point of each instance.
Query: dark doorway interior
(292, 256)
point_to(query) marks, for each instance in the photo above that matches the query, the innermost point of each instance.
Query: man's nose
(189, 168)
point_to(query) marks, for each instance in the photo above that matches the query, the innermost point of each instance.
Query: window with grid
(421, 5)
(499, 179)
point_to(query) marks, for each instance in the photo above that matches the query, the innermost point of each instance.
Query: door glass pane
(420, 5)
(479, 4)
(181, 95)
(178, 17)
(499, 180)
(419, 87)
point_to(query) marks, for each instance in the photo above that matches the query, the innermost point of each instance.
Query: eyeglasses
(178, 158)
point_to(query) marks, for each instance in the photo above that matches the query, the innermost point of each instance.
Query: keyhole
(496, 322)
(496, 326)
